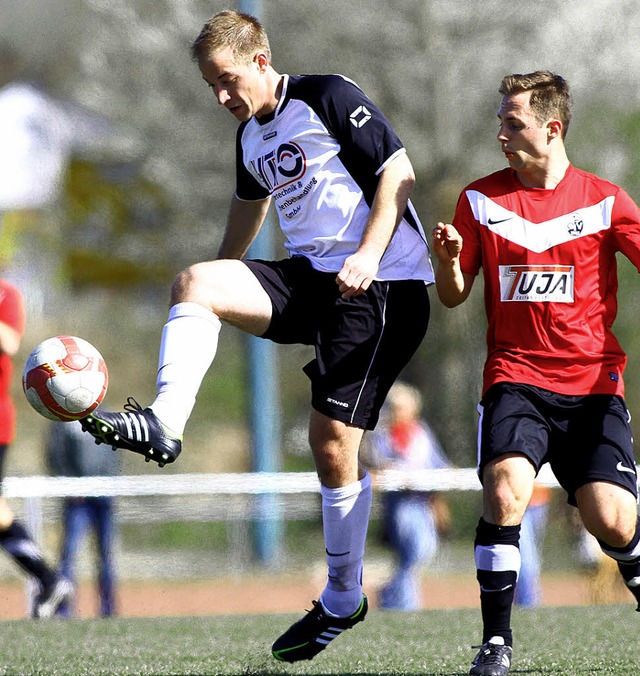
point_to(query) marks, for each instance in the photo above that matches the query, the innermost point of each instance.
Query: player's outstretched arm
(243, 224)
(452, 284)
(389, 204)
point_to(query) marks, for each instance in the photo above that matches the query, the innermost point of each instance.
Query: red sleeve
(466, 224)
(12, 310)
(625, 222)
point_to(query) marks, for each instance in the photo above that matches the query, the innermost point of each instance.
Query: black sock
(17, 543)
(631, 571)
(497, 587)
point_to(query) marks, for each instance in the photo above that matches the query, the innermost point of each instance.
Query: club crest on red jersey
(576, 226)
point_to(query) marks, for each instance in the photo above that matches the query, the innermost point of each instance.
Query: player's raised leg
(203, 296)
(610, 513)
(20, 546)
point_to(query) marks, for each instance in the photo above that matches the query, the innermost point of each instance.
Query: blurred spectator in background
(52, 590)
(413, 520)
(529, 588)
(72, 453)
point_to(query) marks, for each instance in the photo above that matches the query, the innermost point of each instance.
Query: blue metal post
(264, 402)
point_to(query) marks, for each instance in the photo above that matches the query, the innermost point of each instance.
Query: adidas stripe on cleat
(313, 633)
(134, 429)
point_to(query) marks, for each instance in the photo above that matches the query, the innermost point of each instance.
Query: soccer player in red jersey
(546, 235)
(14, 538)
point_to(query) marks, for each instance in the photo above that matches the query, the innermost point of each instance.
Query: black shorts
(584, 438)
(361, 344)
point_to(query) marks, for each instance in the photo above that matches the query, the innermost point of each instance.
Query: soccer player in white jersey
(354, 286)
(546, 236)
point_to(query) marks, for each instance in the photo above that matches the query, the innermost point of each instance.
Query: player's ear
(554, 129)
(262, 61)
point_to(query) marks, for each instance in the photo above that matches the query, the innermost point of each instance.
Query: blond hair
(241, 32)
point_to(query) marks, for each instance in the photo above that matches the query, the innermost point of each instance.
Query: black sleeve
(247, 188)
(366, 138)
(357, 123)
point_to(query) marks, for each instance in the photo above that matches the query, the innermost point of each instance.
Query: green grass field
(578, 640)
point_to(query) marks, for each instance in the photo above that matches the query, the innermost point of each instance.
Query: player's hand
(446, 242)
(357, 273)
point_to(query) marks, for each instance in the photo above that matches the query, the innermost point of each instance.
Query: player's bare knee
(181, 287)
(194, 284)
(612, 530)
(6, 515)
(617, 536)
(503, 506)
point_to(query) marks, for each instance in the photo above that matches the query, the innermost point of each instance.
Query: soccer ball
(65, 378)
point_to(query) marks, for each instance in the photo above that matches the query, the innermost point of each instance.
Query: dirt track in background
(268, 594)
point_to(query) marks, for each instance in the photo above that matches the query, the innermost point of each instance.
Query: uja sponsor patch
(536, 283)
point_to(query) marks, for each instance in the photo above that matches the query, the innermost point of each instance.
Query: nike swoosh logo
(622, 468)
(484, 589)
(544, 235)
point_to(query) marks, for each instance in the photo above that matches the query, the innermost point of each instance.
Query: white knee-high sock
(187, 348)
(345, 514)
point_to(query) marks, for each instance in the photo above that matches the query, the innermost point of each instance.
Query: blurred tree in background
(153, 198)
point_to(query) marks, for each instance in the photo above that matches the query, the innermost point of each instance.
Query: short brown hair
(241, 32)
(550, 97)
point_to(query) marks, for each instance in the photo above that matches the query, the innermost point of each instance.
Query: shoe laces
(492, 653)
(132, 406)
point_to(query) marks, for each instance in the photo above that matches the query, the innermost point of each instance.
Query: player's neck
(546, 176)
(274, 87)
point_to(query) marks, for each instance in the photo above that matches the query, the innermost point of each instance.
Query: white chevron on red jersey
(549, 266)
(541, 236)
(320, 156)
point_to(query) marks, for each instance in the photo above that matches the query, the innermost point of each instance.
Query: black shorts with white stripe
(361, 344)
(584, 438)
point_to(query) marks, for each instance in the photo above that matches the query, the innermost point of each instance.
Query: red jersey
(549, 265)
(12, 313)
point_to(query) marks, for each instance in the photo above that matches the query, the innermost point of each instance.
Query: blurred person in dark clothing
(14, 538)
(72, 453)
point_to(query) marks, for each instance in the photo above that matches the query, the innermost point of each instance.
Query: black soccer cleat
(494, 659)
(313, 633)
(135, 429)
(51, 598)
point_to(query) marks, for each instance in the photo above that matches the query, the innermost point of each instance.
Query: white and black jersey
(319, 155)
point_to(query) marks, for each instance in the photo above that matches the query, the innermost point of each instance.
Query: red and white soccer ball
(65, 378)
